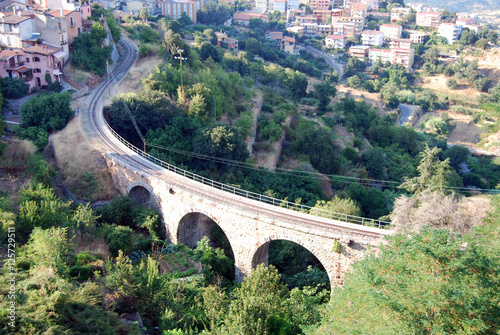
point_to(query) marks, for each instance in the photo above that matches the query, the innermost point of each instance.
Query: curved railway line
(255, 205)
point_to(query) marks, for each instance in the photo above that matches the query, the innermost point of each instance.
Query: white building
(280, 5)
(261, 5)
(398, 13)
(417, 37)
(391, 31)
(14, 29)
(335, 41)
(450, 31)
(292, 4)
(175, 8)
(372, 37)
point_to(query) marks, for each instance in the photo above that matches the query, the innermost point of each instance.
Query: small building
(306, 19)
(372, 37)
(288, 44)
(232, 43)
(346, 29)
(450, 31)
(296, 30)
(322, 15)
(73, 20)
(359, 23)
(417, 37)
(336, 14)
(464, 21)
(244, 18)
(403, 57)
(428, 19)
(335, 41)
(391, 31)
(276, 36)
(399, 13)
(310, 29)
(371, 5)
(359, 51)
(261, 5)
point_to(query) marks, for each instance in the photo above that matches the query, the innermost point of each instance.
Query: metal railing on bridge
(251, 195)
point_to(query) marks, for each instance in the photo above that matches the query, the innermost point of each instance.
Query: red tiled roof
(57, 12)
(335, 37)
(43, 49)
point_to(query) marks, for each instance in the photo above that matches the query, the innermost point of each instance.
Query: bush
(354, 81)
(118, 238)
(14, 88)
(452, 83)
(49, 112)
(144, 50)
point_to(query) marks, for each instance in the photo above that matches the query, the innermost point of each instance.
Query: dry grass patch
(16, 155)
(82, 167)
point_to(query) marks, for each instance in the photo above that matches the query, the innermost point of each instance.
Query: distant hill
(461, 5)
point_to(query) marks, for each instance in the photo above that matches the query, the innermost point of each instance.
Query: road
(329, 59)
(113, 146)
(407, 113)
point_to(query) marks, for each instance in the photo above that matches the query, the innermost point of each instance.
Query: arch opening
(143, 197)
(194, 226)
(296, 264)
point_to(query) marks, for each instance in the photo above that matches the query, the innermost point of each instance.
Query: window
(27, 60)
(72, 21)
(36, 59)
(59, 26)
(35, 70)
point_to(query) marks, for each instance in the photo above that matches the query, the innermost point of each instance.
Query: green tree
(336, 205)
(144, 14)
(260, 296)
(433, 173)
(49, 112)
(354, 81)
(453, 288)
(324, 92)
(253, 46)
(221, 141)
(49, 248)
(208, 50)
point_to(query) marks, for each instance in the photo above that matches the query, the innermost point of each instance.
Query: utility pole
(180, 51)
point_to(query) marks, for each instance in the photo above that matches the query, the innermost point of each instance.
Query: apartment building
(336, 14)
(391, 31)
(346, 29)
(359, 23)
(464, 21)
(324, 29)
(14, 29)
(175, 8)
(335, 41)
(12, 65)
(379, 54)
(401, 56)
(399, 13)
(319, 4)
(322, 15)
(280, 5)
(372, 37)
(401, 43)
(371, 5)
(310, 29)
(358, 10)
(428, 19)
(450, 31)
(306, 19)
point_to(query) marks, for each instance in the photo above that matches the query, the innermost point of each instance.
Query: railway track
(112, 144)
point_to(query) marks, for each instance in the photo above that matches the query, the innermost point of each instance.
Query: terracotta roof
(232, 40)
(336, 37)
(15, 19)
(43, 49)
(6, 54)
(57, 12)
(249, 16)
(288, 39)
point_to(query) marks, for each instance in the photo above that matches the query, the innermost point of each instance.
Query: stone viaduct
(188, 208)
(190, 204)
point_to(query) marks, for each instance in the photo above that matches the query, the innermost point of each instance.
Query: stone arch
(141, 194)
(194, 225)
(260, 253)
